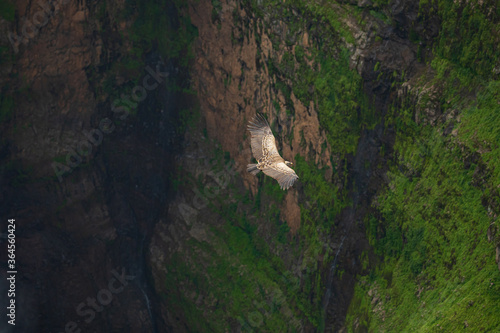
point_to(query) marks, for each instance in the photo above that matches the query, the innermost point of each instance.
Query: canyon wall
(124, 151)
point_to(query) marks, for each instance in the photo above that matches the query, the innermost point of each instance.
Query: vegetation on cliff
(434, 225)
(235, 266)
(434, 265)
(250, 272)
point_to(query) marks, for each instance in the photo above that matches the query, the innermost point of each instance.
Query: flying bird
(265, 152)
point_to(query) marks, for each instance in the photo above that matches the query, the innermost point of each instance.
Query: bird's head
(288, 163)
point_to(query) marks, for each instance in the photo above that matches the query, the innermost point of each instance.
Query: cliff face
(124, 152)
(245, 54)
(78, 173)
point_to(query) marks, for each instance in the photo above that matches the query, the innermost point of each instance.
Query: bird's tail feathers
(252, 168)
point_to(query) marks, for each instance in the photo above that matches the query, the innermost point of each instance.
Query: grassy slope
(430, 226)
(241, 280)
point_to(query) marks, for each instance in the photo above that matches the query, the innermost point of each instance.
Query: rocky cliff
(89, 131)
(124, 152)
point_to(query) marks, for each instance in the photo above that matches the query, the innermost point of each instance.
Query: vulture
(265, 152)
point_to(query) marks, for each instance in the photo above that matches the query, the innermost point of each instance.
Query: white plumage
(265, 152)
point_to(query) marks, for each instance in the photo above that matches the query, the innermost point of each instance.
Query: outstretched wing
(265, 151)
(262, 141)
(282, 173)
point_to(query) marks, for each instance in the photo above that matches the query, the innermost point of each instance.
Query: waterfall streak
(331, 274)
